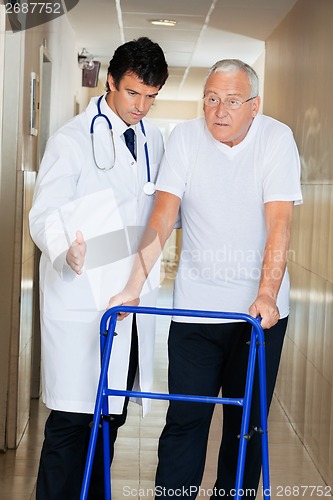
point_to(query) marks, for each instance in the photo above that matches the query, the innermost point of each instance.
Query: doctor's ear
(111, 83)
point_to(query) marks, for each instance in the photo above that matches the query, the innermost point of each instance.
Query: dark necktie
(129, 139)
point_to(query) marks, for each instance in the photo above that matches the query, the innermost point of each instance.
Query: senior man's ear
(255, 106)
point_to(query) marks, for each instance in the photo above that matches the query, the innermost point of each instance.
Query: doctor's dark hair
(141, 57)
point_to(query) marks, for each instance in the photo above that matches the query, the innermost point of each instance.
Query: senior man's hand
(265, 306)
(124, 298)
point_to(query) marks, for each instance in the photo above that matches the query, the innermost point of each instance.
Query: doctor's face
(226, 125)
(132, 100)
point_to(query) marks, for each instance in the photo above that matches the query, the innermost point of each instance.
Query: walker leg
(246, 416)
(263, 420)
(106, 352)
(106, 452)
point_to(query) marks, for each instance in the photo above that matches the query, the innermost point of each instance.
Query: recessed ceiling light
(163, 22)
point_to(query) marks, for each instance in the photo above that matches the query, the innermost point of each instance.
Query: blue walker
(257, 351)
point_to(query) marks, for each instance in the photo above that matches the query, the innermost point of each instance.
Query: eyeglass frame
(226, 106)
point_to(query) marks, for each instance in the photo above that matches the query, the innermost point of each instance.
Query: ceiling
(206, 31)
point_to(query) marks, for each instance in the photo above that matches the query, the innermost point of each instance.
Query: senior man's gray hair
(233, 65)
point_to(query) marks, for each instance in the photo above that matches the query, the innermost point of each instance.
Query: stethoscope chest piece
(149, 188)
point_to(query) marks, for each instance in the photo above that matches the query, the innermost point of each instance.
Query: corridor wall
(298, 91)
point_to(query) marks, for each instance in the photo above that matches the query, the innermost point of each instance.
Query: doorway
(43, 135)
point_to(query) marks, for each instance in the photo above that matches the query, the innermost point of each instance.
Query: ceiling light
(163, 22)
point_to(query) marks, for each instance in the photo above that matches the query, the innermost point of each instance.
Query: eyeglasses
(212, 101)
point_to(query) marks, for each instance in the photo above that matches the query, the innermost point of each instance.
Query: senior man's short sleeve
(175, 165)
(281, 167)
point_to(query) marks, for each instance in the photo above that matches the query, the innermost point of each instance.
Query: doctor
(94, 193)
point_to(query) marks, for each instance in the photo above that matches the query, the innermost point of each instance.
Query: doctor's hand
(265, 306)
(124, 298)
(76, 253)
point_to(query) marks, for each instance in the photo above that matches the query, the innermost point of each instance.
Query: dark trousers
(202, 359)
(65, 447)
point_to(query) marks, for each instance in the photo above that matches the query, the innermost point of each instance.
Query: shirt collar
(118, 125)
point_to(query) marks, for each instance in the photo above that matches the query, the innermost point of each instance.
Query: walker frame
(257, 351)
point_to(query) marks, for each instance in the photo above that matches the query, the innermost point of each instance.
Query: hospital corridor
(53, 67)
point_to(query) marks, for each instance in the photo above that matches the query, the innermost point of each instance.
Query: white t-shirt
(223, 191)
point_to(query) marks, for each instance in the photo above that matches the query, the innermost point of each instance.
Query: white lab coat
(111, 209)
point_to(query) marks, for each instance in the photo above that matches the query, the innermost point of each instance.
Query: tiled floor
(292, 471)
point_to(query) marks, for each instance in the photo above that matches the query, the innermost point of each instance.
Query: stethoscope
(149, 187)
